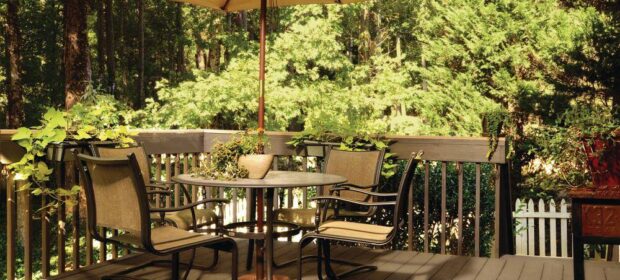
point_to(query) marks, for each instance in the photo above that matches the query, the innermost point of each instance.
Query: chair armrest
(352, 188)
(362, 203)
(191, 205)
(162, 192)
(158, 185)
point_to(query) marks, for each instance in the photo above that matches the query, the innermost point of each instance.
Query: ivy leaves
(90, 121)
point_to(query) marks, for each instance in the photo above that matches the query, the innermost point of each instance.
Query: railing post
(11, 224)
(504, 235)
(27, 231)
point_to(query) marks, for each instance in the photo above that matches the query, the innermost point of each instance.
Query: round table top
(274, 179)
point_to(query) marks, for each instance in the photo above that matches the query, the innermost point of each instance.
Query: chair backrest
(362, 168)
(138, 151)
(115, 195)
(404, 188)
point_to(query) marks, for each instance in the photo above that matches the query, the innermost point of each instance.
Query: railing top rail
(436, 148)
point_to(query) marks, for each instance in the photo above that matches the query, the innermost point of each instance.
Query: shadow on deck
(392, 265)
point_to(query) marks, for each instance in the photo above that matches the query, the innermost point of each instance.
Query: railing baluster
(60, 240)
(426, 206)
(45, 239)
(27, 219)
(114, 247)
(459, 168)
(158, 177)
(477, 221)
(103, 247)
(195, 188)
(11, 224)
(168, 169)
(553, 239)
(177, 187)
(444, 211)
(75, 219)
(289, 199)
(304, 199)
(185, 170)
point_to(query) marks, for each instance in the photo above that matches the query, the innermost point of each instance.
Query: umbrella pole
(261, 71)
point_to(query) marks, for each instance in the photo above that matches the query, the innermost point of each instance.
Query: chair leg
(175, 267)
(235, 260)
(249, 260)
(319, 262)
(328, 265)
(216, 257)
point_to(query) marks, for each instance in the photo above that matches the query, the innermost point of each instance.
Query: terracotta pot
(603, 161)
(257, 165)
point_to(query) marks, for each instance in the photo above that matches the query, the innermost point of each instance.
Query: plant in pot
(239, 157)
(598, 136)
(495, 122)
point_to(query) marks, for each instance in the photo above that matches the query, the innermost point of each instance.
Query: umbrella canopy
(240, 5)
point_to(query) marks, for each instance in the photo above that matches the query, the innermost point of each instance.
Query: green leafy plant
(494, 124)
(84, 122)
(223, 164)
(350, 142)
(559, 149)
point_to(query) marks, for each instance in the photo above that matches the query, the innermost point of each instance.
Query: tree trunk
(76, 56)
(141, 53)
(100, 41)
(198, 57)
(111, 58)
(15, 103)
(180, 44)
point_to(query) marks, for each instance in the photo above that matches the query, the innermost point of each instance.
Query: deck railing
(177, 151)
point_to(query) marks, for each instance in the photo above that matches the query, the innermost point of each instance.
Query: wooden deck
(392, 265)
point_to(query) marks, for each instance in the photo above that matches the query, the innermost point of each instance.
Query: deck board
(392, 265)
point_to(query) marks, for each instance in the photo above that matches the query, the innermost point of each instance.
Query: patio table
(273, 180)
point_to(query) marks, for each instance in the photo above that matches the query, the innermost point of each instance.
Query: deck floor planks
(392, 265)
(491, 269)
(451, 268)
(532, 270)
(512, 269)
(386, 264)
(471, 269)
(553, 270)
(431, 267)
(413, 265)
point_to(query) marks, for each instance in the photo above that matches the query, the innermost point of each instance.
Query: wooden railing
(177, 151)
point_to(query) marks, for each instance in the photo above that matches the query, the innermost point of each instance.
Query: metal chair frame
(145, 209)
(323, 240)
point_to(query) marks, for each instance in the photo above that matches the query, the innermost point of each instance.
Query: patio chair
(363, 172)
(184, 219)
(356, 232)
(117, 199)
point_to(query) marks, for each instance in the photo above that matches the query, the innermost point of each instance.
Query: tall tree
(15, 103)
(76, 55)
(109, 36)
(180, 61)
(141, 94)
(100, 31)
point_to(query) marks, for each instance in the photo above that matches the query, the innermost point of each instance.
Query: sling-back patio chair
(356, 232)
(363, 172)
(184, 219)
(117, 199)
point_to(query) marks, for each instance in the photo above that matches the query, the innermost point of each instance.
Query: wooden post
(11, 224)
(503, 236)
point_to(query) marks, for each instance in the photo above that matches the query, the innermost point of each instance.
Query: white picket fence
(537, 228)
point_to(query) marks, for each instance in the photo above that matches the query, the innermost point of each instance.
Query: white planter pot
(257, 165)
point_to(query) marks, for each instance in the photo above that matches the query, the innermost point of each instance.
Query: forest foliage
(413, 67)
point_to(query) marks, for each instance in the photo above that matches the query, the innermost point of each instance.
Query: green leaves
(21, 134)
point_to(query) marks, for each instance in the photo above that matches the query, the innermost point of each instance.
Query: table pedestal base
(253, 277)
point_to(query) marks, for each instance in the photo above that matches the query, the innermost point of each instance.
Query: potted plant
(599, 136)
(494, 123)
(239, 157)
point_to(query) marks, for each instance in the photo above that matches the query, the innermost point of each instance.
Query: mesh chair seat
(167, 238)
(183, 219)
(343, 229)
(305, 217)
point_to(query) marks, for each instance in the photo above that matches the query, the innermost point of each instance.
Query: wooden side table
(596, 220)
